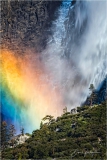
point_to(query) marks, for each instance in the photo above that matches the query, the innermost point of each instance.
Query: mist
(75, 55)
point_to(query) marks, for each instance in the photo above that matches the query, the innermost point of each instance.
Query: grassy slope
(80, 136)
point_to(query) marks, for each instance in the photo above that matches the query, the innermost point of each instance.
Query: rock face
(22, 138)
(27, 23)
(19, 139)
(101, 94)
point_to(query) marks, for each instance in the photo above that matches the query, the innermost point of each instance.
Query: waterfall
(76, 53)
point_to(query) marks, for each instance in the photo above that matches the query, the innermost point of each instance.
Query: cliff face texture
(27, 23)
(100, 95)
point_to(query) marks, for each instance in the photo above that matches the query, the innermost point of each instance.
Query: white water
(76, 53)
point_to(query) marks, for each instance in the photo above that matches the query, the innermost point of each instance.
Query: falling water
(76, 53)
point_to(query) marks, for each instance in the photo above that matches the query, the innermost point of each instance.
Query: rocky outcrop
(19, 139)
(22, 138)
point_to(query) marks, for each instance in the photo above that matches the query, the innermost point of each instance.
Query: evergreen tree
(12, 131)
(41, 125)
(22, 131)
(48, 118)
(4, 134)
(92, 89)
(65, 110)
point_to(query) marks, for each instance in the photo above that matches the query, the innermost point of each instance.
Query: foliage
(79, 136)
(93, 95)
(22, 131)
(4, 134)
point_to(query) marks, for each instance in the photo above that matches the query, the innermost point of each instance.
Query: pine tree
(48, 118)
(4, 134)
(93, 94)
(22, 131)
(65, 110)
(41, 125)
(12, 133)
(91, 88)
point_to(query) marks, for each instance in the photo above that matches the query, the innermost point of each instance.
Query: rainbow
(26, 93)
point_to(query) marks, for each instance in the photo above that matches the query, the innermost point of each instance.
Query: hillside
(76, 136)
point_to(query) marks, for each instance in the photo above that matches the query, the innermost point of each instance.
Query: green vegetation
(71, 136)
(93, 94)
(7, 134)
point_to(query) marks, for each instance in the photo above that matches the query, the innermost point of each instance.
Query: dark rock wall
(27, 23)
(100, 95)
